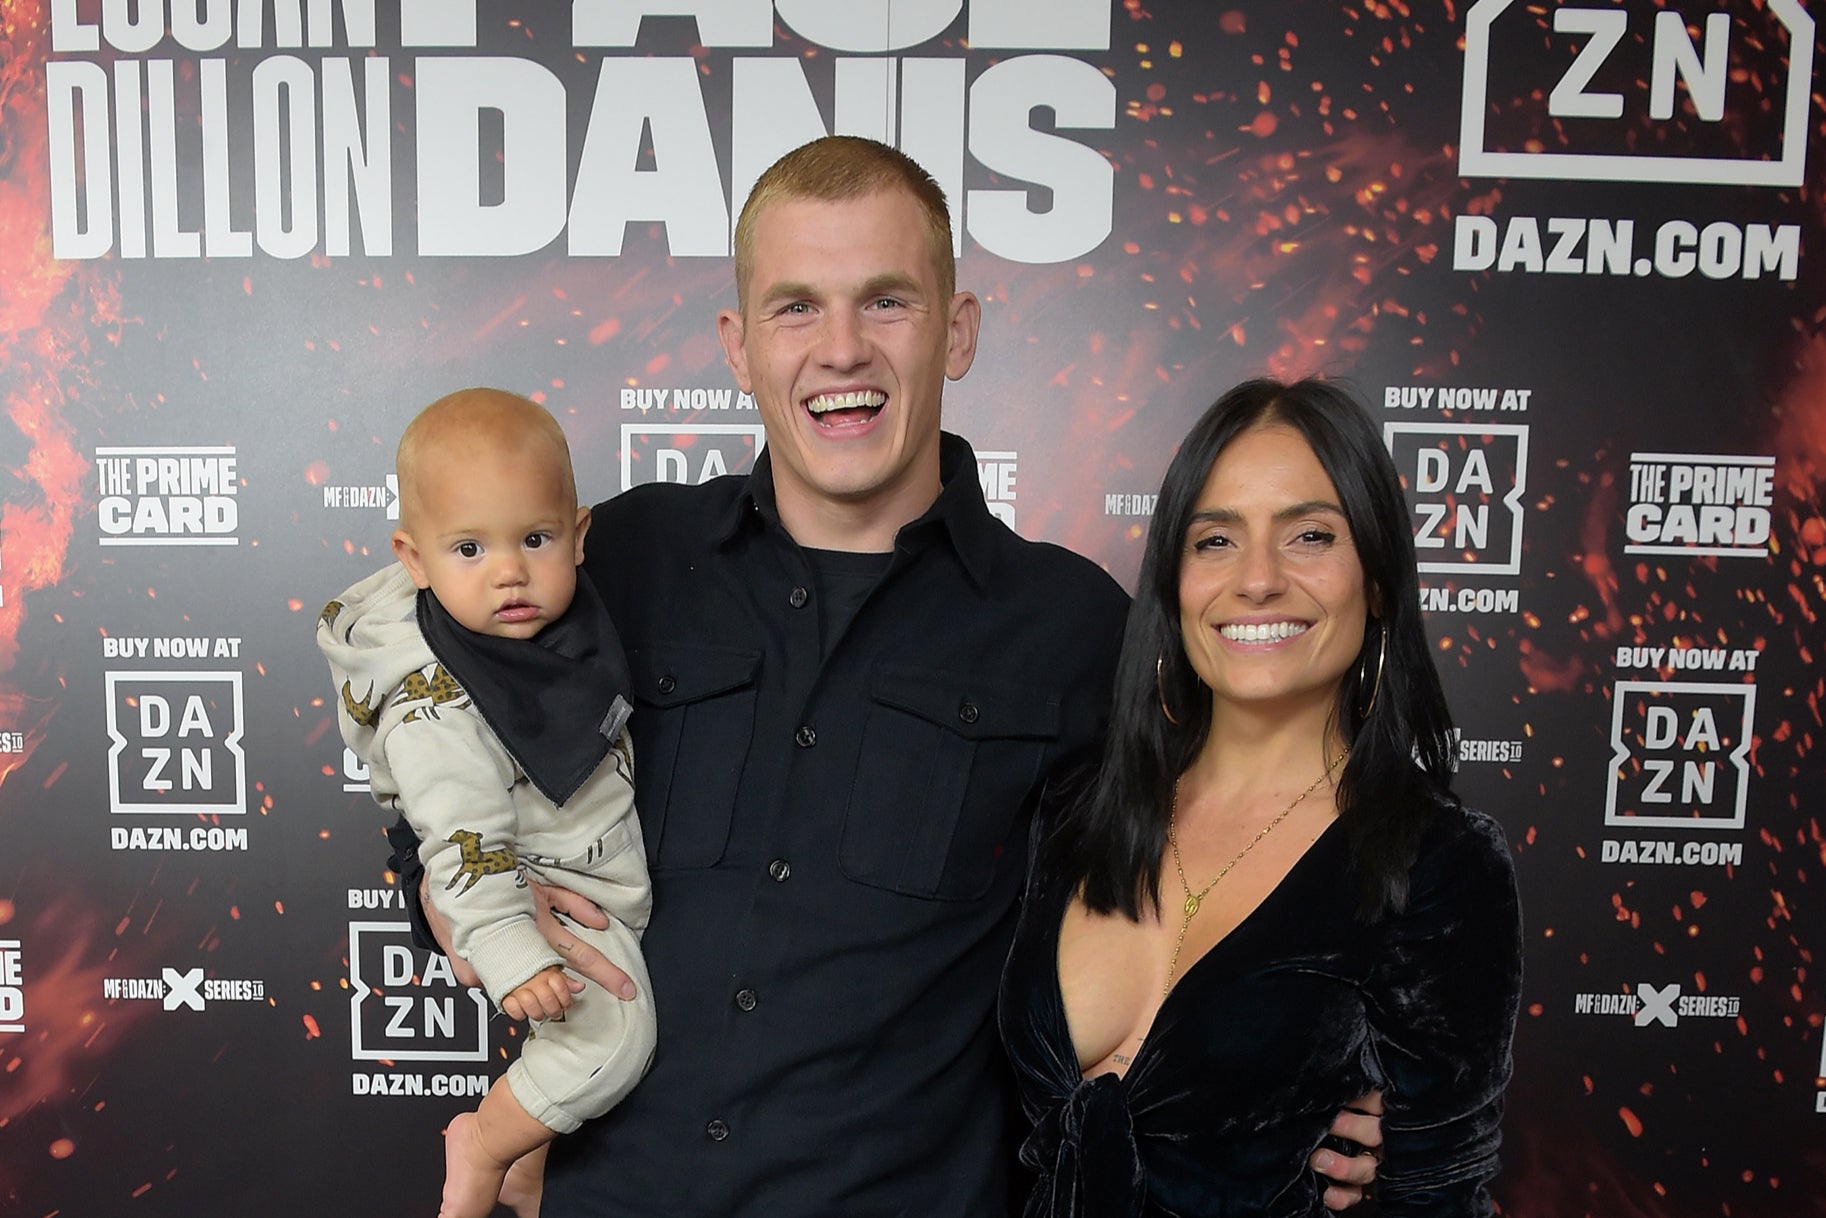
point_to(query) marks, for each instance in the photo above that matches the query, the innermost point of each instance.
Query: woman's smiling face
(1272, 598)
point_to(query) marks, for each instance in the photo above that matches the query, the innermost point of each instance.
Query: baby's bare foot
(472, 1179)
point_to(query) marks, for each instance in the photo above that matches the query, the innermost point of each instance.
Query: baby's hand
(544, 995)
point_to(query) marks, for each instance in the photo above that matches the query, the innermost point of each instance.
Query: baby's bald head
(457, 429)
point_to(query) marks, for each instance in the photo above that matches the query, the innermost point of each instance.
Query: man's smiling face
(845, 341)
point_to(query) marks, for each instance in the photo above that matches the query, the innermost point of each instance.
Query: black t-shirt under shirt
(844, 580)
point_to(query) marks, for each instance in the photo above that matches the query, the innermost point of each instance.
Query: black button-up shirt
(837, 834)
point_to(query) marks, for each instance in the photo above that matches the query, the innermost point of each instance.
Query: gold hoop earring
(1160, 688)
(1382, 655)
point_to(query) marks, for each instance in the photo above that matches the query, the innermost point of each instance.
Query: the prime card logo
(996, 473)
(167, 496)
(1690, 503)
(12, 987)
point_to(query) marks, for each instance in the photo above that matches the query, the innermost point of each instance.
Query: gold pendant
(1191, 904)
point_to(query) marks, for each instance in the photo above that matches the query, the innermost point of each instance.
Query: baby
(485, 687)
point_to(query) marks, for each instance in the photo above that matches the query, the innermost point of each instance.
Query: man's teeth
(1261, 632)
(871, 398)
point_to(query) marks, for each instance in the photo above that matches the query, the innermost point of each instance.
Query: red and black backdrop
(1570, 255)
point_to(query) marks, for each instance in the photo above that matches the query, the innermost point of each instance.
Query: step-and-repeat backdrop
(1570, 253)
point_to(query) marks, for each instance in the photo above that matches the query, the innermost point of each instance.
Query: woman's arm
(1442, 1003)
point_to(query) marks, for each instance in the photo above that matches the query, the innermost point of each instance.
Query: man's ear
(408, 555)
(965, 316)
(731, 328)
(583, 526)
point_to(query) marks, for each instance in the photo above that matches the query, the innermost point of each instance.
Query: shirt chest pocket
(693, 722)
(947, 759)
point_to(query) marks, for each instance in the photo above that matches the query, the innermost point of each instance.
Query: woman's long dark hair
(1399, 771)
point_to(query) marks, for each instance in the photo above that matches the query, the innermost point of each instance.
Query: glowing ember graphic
(43, 330)
(69, 1028)
(28, 717)
(1801, 438)
(1285, 200)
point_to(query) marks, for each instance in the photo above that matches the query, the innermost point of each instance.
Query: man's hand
(549, 904)
(544, 995)
(578, 955)
(1350, 1175)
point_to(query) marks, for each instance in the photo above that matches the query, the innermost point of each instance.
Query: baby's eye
(468, 549)
(536, 540)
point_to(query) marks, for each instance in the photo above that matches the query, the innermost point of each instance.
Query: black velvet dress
(1299, 1010)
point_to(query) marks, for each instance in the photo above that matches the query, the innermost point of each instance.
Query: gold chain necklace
(1195, 899)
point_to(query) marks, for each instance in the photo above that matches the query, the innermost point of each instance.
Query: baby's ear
(408, 555)
(583, 526)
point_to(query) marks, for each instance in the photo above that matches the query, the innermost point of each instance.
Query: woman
(1265, 900)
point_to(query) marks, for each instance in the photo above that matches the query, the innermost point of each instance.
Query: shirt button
(797, 598)
(780, 869)
(717, 1131)
(745, 999)
(805, 737)
(969, 713)
(667, 684)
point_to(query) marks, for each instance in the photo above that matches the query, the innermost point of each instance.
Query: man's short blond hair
(841, 167)
(472, 421)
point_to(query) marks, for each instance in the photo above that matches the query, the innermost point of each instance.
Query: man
(850, 683)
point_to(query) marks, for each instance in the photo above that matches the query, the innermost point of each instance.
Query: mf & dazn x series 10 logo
(1657, 1005)
(186, 989)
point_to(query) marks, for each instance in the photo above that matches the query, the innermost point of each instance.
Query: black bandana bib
(557, 701)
